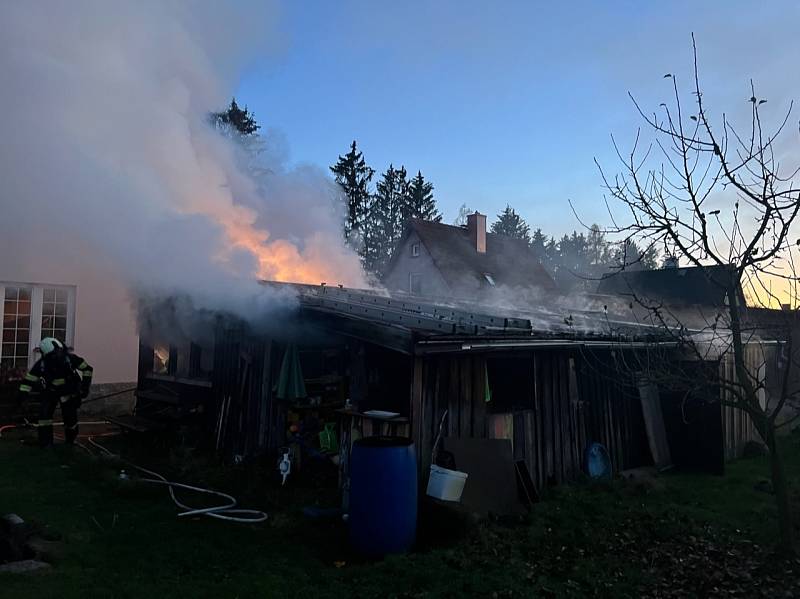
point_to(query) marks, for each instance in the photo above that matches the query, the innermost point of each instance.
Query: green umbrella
(290, 380)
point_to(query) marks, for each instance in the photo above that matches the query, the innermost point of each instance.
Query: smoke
(111, 176)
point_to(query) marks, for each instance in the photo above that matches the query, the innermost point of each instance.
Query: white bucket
(445, 484)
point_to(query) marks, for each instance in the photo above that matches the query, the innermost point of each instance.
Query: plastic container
(446, 484)
(598, 462)
(383, 495)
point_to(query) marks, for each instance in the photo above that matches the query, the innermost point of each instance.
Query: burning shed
(544, 385)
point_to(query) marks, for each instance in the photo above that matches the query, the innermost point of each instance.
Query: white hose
(221, 512)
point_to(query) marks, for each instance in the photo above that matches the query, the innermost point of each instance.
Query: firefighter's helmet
(49, 344)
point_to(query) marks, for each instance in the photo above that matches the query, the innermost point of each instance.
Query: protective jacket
(59, 378)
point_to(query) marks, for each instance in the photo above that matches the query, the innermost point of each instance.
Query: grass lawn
(689, 536)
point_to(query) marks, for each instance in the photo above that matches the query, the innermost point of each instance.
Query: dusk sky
(507, 102)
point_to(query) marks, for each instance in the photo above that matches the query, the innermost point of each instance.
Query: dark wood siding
(570, 402)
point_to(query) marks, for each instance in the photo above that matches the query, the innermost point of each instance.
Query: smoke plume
(112, 178)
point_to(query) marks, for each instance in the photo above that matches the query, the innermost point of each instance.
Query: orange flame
(322, 259)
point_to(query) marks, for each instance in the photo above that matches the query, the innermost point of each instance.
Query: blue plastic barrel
(598, 462)
(383, 495)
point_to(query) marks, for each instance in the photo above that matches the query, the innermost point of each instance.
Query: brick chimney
(476, 225)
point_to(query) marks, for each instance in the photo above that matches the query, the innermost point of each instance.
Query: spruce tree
(421, 203)
(240, 126)
(234, 121)
(511, 224)
(385, 218)
(354, 176)
(540, 246)
(630, 257)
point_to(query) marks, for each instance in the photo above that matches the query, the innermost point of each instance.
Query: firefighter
(59, 377)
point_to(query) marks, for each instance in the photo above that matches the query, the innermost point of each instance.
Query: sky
(507, 102)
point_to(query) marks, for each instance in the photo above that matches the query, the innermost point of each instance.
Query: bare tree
(709, 195)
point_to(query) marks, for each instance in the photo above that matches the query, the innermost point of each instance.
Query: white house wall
(405, 264)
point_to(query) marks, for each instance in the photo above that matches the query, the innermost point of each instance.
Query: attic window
(489, 279)
(415, 249)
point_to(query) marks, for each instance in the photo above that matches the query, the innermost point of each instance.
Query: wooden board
(492, 483)
(654, 423)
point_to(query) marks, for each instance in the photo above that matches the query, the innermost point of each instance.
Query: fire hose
(227, 511)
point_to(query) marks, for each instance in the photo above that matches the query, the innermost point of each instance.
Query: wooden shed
(550, 383)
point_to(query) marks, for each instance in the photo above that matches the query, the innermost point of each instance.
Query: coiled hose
(227, 511)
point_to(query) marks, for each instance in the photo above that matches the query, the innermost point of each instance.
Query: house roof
(695, 285)
(509, 262)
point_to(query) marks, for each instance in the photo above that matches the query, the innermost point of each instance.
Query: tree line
(376, 217)
(376, 214)
(574, 260)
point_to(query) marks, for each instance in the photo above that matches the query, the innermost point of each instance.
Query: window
(15, 348)
(54, 313)
(183, 360)
(415, 283)
(32, 312)
(415, 249)
(164, 359)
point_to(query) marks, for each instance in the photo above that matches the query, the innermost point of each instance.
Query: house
(96, 320)
(703, 286)
(444, 261)
(91, 312)
(32, 311)
(546, 384)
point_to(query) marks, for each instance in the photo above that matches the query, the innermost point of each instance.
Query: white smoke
(108, 165)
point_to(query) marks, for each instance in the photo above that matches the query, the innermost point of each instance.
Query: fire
(321, 258)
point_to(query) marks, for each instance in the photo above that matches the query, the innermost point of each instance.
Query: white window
(54, 313)
(415, 249)
(415, 283)
(32, 311)
(16, 327)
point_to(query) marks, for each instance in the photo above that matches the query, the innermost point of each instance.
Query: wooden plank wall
(572, 405)
(737, 426)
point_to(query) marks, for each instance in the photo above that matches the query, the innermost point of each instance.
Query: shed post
(416, 409)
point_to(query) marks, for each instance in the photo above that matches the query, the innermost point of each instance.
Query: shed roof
(400, 321)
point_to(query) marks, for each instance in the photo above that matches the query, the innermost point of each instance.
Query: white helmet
(49, 344)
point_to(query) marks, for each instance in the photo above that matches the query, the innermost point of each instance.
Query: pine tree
(540, 245)
(354, 176)
(241, 127)
(572, 264)
(596, 247)
(234, 121)
(630, 257)
(385, 219)
(421, 203)
(511, 224)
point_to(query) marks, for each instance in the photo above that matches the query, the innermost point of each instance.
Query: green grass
(124, 539)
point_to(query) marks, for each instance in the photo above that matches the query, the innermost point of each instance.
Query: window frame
(415, 250)
(37, 301)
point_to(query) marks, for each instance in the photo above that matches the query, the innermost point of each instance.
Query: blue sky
(507, 102)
